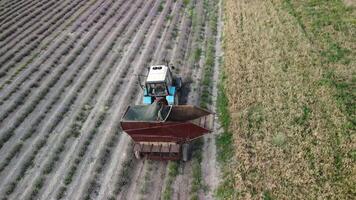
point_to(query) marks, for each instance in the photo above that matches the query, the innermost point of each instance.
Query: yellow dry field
(290, 83)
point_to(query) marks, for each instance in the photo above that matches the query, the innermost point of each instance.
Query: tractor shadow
(184, 92)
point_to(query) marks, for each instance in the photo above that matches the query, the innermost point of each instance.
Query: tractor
(160, 128)
(161, 86)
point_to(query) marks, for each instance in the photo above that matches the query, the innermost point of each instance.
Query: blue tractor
(161, 86)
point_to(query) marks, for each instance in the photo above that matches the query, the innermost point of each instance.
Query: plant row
(15, 9)
(62, 90)
(83, 149)
(25, 47)
(8, 5)
(25, 22)
(48, 54)
(43, 93)
(56, 121)
(206, 95)
(21, 99)
(39, 33)
(33, 129)
(173, 167)
(77, 126)
(124, 176)
(104, 156)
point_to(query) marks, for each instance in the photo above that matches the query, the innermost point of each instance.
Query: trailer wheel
(137, 154)
(176, 100)
(185, 152)
(178, 83)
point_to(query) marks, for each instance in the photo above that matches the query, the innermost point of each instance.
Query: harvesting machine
(160, 128)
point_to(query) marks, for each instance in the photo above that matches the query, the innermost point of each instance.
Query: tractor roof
(157, 73)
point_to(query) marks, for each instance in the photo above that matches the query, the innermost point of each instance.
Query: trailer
(164, 132)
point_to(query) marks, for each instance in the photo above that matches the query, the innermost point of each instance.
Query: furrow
(115, 168)
(72, 58)
(19, 7)
(85, 181)
(12, 28)
(68, 134)
(23, 45)
(64, 109)
(52, 47)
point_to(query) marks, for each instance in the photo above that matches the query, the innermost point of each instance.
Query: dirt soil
(68, 70)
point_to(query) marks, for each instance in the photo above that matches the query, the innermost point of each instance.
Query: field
(287, 100)
(68, 70)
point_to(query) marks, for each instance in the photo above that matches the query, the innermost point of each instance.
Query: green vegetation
(197, 179)
(19, 69)
(224, 143)
(124, 175)
(197, 54)
(291, 99)
(186, 2)
(206, 95)
(172, 173)
(161, 6)
(208, 74)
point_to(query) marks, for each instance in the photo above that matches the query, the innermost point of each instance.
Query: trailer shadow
(184, 92)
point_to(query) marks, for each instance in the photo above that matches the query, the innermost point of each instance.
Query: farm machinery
(160, 127)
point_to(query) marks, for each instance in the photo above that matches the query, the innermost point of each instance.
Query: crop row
(71, 101)
(15, 9)
(8, 5)
(75, 74)
(21, 99)
(49, 53)
(84, 147)
(40, 32)
(193, 60)
(95, 184)
(123, 177)
(24, 23)
(172, 167)
(75, 128)
(210, 7)
(78, 122)
(105, 153)
(44, 92)
(196, 27)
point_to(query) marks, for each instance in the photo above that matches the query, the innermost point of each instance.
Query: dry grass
(350, 2)
(291, 92)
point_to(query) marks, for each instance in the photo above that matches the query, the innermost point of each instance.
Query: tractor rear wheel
(185, 152)
(137, 154)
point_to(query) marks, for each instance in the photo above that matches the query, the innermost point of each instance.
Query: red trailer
(165, 131)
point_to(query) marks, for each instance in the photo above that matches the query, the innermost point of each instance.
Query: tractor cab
(160, 85)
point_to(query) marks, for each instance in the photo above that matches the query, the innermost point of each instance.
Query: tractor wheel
(185, 152)
(178, 83)
(176, 100)
(137, 154)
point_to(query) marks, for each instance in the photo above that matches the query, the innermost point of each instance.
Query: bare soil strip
(68, 71)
